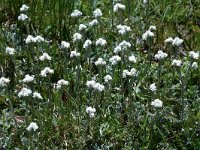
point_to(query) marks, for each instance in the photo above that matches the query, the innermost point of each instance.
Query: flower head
(33, 126)
(65, 44)
(4, 81)
(46, 71)
(107, 78)
(37, 95)
(44, 57)
(101, 42)
(76, 13)
(10, 51)
(176, 63)
(115, 59)
(97, 13)
(28, 78)
(74, 54)
(22, 17)
(194, 55)
(24, 92)
(118, 7)
(24, 8)
(160, 55)
(153, 87)
(157, 103)
(147, 34)
(61, 83)
(177, 41)
(100, 62)
(90, 111)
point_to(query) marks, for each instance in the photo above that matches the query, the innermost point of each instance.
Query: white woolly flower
(22, 17)
(145, 2)
(90, 111)
(46, 71)
(153, 87)
(44, 57)
(133, 72)
(101, 42)
(74, 54)
(24, 92)
(123, 29)
(100, 62)
(10, 51)
(37, 95)
(77, 37)
(176, 63)
(94, 22)
(76, 13)
(87, 44)
(65, 44)
(169, 40)
(33, 126)
(157, 103)
(152, 28)
(118, 7)
(97, 13)
(30, 39)
(107, 78)
(115, 59)
(177, 41)
(124, 45)
(194, 65)
(4, 81)
(99, 87)
(39, 38)
(127, 73)
(82, 27)
(194, 55)
(61, 83)
(160, 55)
(28, 78)
(147, 34)
(90, 84)
(117, 49)
(24, 8)
(132, 58)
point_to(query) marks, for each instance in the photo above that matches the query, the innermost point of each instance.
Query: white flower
(76, 13)
(74, 54)
(10, 51)
(77, 37)
(28, 78)
(97, 13)
(107, 78)
(87, 44)
(177, 63)
(115, 59)
(90, 84)
(123, 29)
(177, 41)
(44, 57)
(145, 2)
(147, 34)
(133, 72)
(160, 55)
(153, 87)
(194, 55)
(157, 103)
(118, 6)
(33, 126)
(65, 44)
(99, 87)
(194, 65)
(152, 28)
(39, 39)
(117, 49)
(101, 42)
(169, 40)
(132, 59)
(61, 82)
(126, 73)
(24, 8)
(24, 92)
(22, 17)
(124, 45)
(46, 71)
(90, 111)
(94, 22)
(37, 95)
(100, 62)
(30, 39)
(82, 27)
(4, 81)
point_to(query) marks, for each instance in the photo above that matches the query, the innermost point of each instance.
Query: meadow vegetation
(100, 74)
